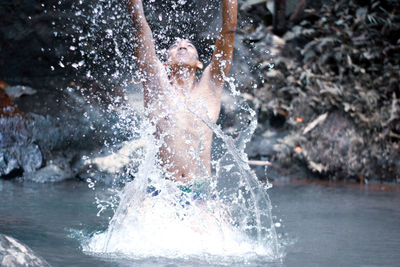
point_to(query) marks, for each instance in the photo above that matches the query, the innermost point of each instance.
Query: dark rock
(18, 150)
(14, 253)
(9, 166)
(29, 156)
(50, 173)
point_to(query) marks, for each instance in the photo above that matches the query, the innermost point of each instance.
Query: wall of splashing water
(231, 217)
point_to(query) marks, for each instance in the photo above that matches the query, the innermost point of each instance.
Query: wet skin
(175, 101)
(178, 111)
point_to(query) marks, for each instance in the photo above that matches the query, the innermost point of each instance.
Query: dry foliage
(342, 60)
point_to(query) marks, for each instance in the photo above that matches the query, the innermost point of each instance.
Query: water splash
(253, 212)
(229, 218)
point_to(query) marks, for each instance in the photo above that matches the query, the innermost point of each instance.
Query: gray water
(319, 225)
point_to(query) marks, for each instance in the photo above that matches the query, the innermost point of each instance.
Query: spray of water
(227, 216)
(156, 217)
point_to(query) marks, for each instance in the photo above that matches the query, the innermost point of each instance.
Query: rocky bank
(326, 89)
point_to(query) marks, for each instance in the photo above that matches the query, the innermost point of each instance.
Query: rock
(29, 156)
(263, 145)
(58, 127)
(18, 152)
(50, 173)
(19, 90)
(55, 124)
(341, 58)
(9, 166)
(14, 253)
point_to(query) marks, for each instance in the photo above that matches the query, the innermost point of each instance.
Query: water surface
(319, 225)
